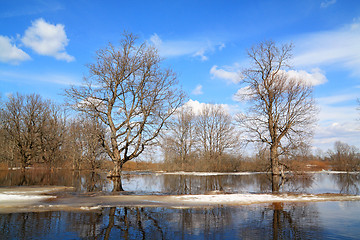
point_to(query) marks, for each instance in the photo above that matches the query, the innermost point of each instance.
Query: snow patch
(261, 198)
(9, 197)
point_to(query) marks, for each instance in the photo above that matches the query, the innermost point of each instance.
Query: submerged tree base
(116, 179)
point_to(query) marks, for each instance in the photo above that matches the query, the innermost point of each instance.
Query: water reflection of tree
(283, 222)
(162, 223)
(348, 183)
(188, 184)
(297, 182)
(131, 223)
(276, 221)
(85, 181)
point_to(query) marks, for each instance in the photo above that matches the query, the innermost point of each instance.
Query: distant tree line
(37, 131)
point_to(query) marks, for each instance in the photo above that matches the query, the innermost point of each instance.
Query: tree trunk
(274, 160)
(117, 184)
(275, 171)
(115, 176)
(275, 180)
(117, 169)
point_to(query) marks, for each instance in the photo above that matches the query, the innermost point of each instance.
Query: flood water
(311, 220)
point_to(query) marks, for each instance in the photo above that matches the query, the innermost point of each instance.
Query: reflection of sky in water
(324, 183)
(340, 219)
(249, 183)
(324, 220)
(142, 183)
(188, 183)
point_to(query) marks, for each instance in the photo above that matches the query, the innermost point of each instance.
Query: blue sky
(46, 44)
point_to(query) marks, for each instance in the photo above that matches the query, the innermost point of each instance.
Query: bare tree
(200, 138)
(215, 130)
(345, 157)
(179, 138)
(282, 108)
(129, 92)
(84, 142)
(52, 135)
(35, 126)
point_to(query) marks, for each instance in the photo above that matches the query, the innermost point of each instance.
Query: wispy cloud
(327, 3)
(56, 78)
(337, 121)
(47, 39)
(25, 8)
(337, 99)
(177, 48)
(198, 90)
(10, 53)
(339, 47)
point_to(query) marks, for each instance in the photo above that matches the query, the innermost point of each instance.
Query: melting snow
(21, 197)
(262, 198)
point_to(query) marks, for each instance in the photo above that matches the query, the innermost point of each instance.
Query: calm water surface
(318, 220)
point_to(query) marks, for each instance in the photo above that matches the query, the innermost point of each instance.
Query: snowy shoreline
(28, 199)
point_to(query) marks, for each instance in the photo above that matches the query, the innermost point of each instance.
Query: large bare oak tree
(131, 93)
(281, 107)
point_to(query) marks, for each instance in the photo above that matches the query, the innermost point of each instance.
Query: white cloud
(197, 106)
(10, 53)
(327, 3)
(177, 48)
(314, 78)
(243, 94)
(197, 90)
(337, 121)
(327, 135)
(230, 74)
(339, 48)
(47, 39)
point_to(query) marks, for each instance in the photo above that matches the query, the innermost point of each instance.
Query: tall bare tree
(131, 93)
(282, 108)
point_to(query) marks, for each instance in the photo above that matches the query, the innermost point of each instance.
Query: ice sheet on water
(27, 194)
(10, 197)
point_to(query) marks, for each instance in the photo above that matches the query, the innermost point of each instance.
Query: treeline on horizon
(37, 132)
